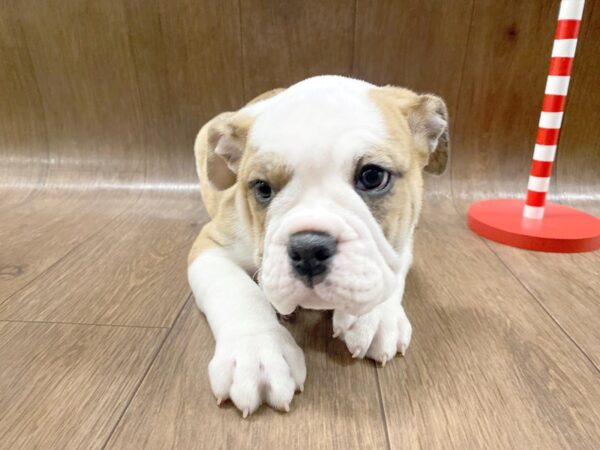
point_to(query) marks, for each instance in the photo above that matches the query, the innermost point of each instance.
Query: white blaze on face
(321, 127)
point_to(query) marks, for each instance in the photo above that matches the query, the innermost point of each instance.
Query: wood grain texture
(91, 109)
(505, 70)
(58, 216)
(99, 106)
(568, 287)
(578, 157)
(201, 52)
(130, 273)
(286, 41)
(487, 368)
(406, 43)
(119, 86)
(175, 408)
(23, 139)
(65, 386)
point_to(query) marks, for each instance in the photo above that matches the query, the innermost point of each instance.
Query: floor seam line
(531, 293)
(382, 411)
(542, 306)
(117, 220)
(90, 324)
(450, 163)
(145, 374)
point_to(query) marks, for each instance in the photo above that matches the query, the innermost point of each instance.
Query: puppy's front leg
(256, 359)
(379, 334)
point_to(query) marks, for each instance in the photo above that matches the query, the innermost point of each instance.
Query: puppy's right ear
(227, 136)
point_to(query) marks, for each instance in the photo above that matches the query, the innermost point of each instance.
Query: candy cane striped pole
(557, 86)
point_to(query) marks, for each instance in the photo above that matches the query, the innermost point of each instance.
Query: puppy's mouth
(324, 274)
(327, 259)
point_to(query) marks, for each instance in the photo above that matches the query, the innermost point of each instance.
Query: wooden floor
(102, 346)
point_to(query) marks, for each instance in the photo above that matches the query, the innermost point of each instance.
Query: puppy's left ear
(428, 120)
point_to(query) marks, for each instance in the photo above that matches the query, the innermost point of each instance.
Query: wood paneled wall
(123, 85)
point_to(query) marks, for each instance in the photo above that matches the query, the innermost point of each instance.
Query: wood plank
(58, 215)
(578, 157)
(131, 274)
(203, 53)
(160, 119)
(413, 43)
(567, 285)
(65, 386)
(286, 41)
(505, 70)
(92, 110)
(487, 368)
(187, 58)
(175, 408)
(23, 140)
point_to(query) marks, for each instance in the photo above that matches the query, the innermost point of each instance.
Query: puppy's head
(329, 179)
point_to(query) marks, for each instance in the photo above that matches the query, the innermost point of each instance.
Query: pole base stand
(562, 230)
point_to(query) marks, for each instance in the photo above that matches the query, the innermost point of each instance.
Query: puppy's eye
(373, 178)
(262, 191)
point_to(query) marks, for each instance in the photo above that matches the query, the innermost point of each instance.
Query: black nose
(310, 254)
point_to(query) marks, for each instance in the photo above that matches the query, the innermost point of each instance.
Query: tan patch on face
(220, 231)
(220, 194)
(219, 151)
(268, 167)
(388, 157)
(397, 210)
(395, 104)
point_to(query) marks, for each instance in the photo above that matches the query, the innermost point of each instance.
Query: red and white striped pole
(535, 224)
(557, 86)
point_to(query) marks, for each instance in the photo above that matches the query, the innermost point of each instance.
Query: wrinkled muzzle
(327, 257)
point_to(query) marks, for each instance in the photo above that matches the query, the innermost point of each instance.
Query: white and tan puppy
(313, 193)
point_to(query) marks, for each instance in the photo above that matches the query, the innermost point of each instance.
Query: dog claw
(336, 332)
(286, 407)
(403, 349)
(219, 400)
(301, 388)
(384, 359)
(356, 353)
(245, 414)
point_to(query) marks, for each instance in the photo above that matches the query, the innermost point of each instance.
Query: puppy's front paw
(253, 369)
(379, 334)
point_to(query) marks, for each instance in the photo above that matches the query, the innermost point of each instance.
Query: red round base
(562, 230)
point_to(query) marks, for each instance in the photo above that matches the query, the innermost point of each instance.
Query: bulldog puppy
(314, 193)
